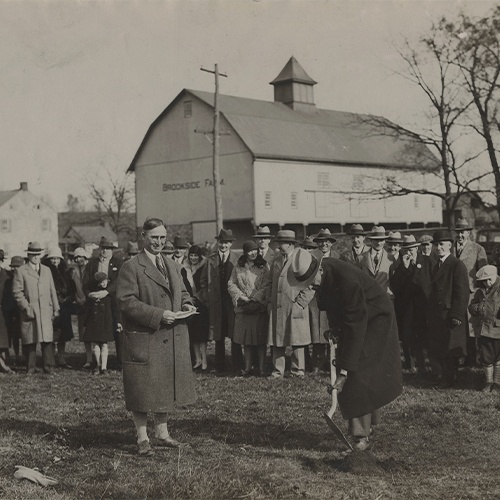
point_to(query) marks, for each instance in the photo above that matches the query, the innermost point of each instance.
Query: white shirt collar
(151, 256)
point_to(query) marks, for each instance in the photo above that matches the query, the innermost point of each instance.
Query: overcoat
(474, 257)
(288, 307)
(362, 315)
(379, 273)
(485, 311)
(217, 298)
(4, 334)
(157, 372)
(350, 256)
(37, 300)
(411, 287)
(448, 299)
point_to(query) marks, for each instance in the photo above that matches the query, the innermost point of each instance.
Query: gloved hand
(34, 476)
(453, 322)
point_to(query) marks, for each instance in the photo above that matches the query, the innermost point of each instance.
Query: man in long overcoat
(361, 317)
(214, 294)
(447, 308)
(289, 311)
(157, 374)
(35, 294)
(474, 257)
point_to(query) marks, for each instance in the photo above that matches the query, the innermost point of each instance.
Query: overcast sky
(81, 82)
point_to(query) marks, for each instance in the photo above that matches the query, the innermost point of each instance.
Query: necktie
(376, 259)
(161, 266)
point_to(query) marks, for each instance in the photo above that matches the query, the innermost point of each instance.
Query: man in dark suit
(447, 310)
(474, 257)
(110, 265)
(214, 294)
(157, 374)
(358, 248)
(411, 285)
(362, 316)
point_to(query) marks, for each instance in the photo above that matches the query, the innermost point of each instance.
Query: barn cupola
(294, 87)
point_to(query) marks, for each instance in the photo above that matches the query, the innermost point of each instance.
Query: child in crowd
(100, 317)
(485, 307)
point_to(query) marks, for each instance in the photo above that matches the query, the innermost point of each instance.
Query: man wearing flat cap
(110, 265)
(358, 248)
(425, 247)
(474, 257)
(447, 308)
(215, 295)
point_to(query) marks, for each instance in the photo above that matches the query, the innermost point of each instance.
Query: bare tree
(113, 196)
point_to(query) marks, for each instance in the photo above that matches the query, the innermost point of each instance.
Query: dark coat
(157, 372)
(10, 309)
(214, 294)
(411, 287)
(4, 334)
(350, 256)
(381, 273)
(448, 299)
(99, 319)
(361, 313)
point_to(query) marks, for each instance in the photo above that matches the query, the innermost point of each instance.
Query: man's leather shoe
(144, 448)
(362, 444)
(168, 442)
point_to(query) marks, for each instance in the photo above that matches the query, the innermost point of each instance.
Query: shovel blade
(336, 430)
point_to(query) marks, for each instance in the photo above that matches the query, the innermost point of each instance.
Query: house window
(46, 224)
(323, 180)
(188, 109)
(415, 202)
(433, 202)
(267, 199)
(5, 225)
(293, 199)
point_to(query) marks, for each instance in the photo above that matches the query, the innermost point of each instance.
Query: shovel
(328, 416)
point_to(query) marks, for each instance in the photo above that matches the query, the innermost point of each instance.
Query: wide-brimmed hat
(324, 235)
(462, 225)
(106, 243)
(308, 243)
(168, 248)
(54, 252)
(441, 235)
(304, 267)
(100, 276)
(409, 241)
(34, 248)
(180, 242)
(132, 248)
(487, 272)
(377, 233)
(80, 252)
(16, 261)
(425, 238)
(286, 236)
(263, 232)
(394, 237)
(225, 235)
(356, 230)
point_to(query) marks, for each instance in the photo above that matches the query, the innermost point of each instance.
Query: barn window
(267, 199)
(188, 109)
(415, 202)
(46, 224)
(293, 199)
(323, 180)
(5, 225)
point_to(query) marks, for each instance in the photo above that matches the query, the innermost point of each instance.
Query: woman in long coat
(157, 374)
(361, 317)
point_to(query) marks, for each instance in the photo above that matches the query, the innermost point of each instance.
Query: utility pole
(216, 136)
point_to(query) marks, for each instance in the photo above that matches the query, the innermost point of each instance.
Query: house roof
(67, 220)
(272, 130)
(5, 196)
(90, 234)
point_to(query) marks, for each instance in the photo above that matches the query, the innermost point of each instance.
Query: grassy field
(246, 438)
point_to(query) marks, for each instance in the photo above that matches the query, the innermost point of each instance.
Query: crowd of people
(432, 304)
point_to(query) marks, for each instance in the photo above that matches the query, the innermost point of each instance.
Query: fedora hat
(357, 230)
(34, 248)
(180, 242)
(324, 234)
(394, 237)
(168, 248)
(309, 243)
(16, 261)
(80, 252)
(487, 272)
(286, 236)
(106, 243)
(377, 233)
(425, 238)
(409, 241)
(54, 252)
(132, 248)
(263, 232)
(225, 235)
(442, 235)
(462, 225)
(304, 267)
